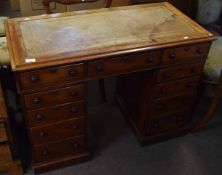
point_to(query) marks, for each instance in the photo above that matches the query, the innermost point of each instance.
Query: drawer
(168, 123)
(185, 53)
(5, 155)
(3, 135)
(123, 64)
(45, 152)
(51, 76)
(178, 72)
(172, 104)
(54, 114)
(54, 97)
(57, 131)
(176, 87)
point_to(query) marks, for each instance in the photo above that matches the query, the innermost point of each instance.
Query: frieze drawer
(51, 76)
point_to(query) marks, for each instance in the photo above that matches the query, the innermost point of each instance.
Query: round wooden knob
(150, 59)
(36, 100)
(45, 152)
(39, 117)
(74, 109)
(163, 90)
(75, 126)
(125, 58)
(156, 125)
(76, 145)
(172, 56)
(72, 73)
(194, 70)
(200, 51)
(160, 107)
(166, 76)
(73, 94)
(99, 68)
(34, 79)
(42, 134)
(190, 85)
(186, 101)
(53, 70)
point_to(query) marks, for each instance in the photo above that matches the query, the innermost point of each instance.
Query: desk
(156, 52)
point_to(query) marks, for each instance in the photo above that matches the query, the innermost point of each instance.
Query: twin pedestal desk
(156, 53)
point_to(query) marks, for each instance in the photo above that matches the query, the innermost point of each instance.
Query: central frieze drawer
(178, 72)
(185, 53)
(54, 150)
(123, 64)
(3, 135)
(51, 76)
(54, 97)
(176, 87)
(54, 114)
(58, 131)
(172, 104)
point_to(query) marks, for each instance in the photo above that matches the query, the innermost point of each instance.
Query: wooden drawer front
(3, 135)
(56, 113)
(58, 131)
(186, 53)
(172, 88)
(50, 151)
(54, 97)
(168, 123)
(173, 104)
(52, 76)
(5, 155)
(123, 64)
(179, 72)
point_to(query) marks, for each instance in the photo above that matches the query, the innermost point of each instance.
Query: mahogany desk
(53, 57)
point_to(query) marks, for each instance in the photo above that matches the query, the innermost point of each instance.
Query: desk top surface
(48, 40)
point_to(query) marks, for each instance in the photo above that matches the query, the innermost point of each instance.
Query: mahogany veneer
(156, 52)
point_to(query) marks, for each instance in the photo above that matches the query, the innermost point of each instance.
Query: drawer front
(55, 150)
(54, 114)
(51, 76)
(58, 131)
(185, 53)
(172, 104)
(176, 87)
(3, 135)
(54, 97)
(179, 72)
(5, 155)
(123, 64)
(168, 123)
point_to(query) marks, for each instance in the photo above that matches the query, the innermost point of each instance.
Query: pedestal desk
(156, 52)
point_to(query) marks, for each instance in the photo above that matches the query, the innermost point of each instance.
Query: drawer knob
(163, 90)
(156, 125)
(73, 94)
(74, 109)
(200, 51)
(34, 79)
(37, 100)
(99, 68)
(76, 145)
(160, 107)
(75, 126)
(72, 73)
(172, 56)
(180, 118)
(186, 101)
(45, 152)
(167, 76)
(125, 58)
(150, 59)
(190, 85)
(53, 70)
(194, 70)
(39, 117)
(42, 134)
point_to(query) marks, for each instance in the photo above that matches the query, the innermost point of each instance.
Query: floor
(117, 152)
